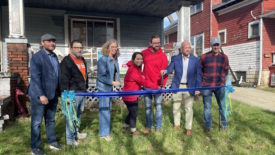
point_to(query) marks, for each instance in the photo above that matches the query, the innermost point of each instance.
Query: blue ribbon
(143, 92)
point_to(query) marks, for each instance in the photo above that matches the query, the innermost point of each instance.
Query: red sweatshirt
(154, 62)
(133, 81)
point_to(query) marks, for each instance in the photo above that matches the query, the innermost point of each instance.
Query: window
(196, 8)
(166, 39)
(92, 32)
(273, 58)
(197, 43)
(222, 36)
(254, 29)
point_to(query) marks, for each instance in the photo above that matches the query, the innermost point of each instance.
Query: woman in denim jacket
(107, 77)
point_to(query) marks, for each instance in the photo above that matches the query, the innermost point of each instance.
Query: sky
(166, 21)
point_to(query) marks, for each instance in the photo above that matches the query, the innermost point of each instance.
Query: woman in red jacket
(133, 81)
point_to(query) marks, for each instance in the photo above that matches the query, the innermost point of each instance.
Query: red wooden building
(247, 32)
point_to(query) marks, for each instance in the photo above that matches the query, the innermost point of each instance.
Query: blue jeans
(38, 111)
(149, 111)
(207, 100)
(105, 105)
(79, 102)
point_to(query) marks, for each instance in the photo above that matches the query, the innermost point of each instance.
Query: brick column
(18, 61)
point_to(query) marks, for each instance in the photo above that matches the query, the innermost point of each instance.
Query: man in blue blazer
(43, 93)
(187, 74)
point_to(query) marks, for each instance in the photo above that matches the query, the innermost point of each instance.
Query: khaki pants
(188, 107)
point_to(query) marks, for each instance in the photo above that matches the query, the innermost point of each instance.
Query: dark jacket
(71, 77)
(44, 81)
(194, 76)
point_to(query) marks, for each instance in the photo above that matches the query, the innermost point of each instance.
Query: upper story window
(254, 29)
(222, 36)
(196, 8)
(197, 42)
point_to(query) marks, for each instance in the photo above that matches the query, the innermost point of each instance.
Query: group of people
(49, 78)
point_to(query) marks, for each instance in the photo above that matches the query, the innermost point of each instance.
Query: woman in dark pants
(133, 80)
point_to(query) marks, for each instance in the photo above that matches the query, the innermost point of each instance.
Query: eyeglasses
(78, 48)
(156, 43)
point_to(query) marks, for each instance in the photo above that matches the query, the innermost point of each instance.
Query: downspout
(261, 48)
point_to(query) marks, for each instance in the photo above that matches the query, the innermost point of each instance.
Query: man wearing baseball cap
(43, 92)
(214, 66)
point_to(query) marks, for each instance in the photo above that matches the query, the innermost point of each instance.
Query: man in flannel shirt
(214, 66)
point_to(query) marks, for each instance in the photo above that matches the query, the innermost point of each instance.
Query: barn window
(196, 8)
(222, 36)
(254, 29)
(197, 43)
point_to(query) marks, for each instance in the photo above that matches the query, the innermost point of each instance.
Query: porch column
(16, 19)
(17, 49)
(184, 30)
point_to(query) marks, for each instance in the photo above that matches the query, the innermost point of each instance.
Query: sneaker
(74, 143)
(158, 132)
(135, 133)
(147, 131)
(208, 133)
(55, 146)
(125, 129)
(81, 135)
(37, 151)
(188, 132)
(107, 138)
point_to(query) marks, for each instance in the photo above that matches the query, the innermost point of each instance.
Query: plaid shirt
(214, 69)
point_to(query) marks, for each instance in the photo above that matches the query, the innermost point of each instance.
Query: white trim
(194, 47)
(261, 51)
(225, 35)
(16, 19)
(236, 6)
(273, 58)
(250, 30)
(196, 11)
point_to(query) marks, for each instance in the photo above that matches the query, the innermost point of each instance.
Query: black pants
(133, 112)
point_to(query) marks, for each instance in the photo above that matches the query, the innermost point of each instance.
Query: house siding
(236, 24)
(269, 42)
(200, 23)
(244, 57)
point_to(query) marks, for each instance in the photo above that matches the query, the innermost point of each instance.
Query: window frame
(195, 7)
(93, 19)
(250, 24)
(225, 35)
(194, 45)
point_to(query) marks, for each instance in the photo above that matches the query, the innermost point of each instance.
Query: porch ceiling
(159, 8)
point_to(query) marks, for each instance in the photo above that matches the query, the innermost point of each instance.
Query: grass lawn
(251, 131)
(269, 89)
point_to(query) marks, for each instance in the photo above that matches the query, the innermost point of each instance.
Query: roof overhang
(158, 8)
(269, 15)
(232, 5)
